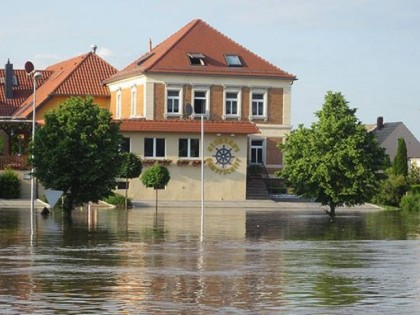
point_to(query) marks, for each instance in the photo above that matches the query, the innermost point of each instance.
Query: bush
(410, 202)
(391, 191)
(415, 189)
(9, 185)
(118, 200)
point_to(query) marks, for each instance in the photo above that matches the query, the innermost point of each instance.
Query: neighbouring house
(79, 76)
(388, 134)
(199, 73)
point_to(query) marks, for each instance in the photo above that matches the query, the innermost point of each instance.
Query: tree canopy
(77, 151)
(336, 161)
(156, 177)
(131, 167)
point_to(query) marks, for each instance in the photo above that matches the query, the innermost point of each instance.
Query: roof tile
(188, 126)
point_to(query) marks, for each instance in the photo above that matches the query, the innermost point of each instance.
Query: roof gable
(78, 76)
(197, 37)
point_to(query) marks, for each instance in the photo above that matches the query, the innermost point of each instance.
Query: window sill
(152, 161)
(265, 118)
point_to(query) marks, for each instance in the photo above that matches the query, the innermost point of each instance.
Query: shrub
(410, 202)
(118, 200)
(391, 191)
(415, 189)
(9, 185)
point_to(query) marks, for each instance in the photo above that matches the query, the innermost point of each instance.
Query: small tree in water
(131, 167)
(156, 177)
(335, 161)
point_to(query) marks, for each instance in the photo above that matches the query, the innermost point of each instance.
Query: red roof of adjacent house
(21, 91)
(79, 76)
(197, 37)
(188, 126)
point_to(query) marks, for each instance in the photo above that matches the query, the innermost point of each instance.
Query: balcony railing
(16, 162)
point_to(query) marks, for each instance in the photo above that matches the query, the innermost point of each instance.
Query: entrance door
(257, 147)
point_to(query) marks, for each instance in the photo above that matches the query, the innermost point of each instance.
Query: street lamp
(35, 76)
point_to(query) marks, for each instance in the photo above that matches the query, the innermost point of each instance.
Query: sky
(369, 50)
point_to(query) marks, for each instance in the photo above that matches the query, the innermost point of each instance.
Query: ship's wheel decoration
(223, 156)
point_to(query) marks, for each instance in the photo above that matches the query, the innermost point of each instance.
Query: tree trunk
(126, 193)
(68, 204)
(331, 213)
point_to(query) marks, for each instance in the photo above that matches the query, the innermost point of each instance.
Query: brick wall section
(187, 94)
(113, 102)
(245, 102)
(274, 155)
(159, 91)
(126, 103)
(140, 100)
(275, 106)
(216, 102)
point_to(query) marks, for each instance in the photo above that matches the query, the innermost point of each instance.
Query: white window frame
(180, 101)
(263, 149)
(207, 98)
(118, 104)
(265, 97)
(134, 101)
(189, 157)
(238, 100)
(154, 149)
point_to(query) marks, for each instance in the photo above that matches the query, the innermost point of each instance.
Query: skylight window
(197, 59)
(233, 61)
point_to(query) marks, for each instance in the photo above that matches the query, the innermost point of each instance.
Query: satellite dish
(29, 67)
(188, 109)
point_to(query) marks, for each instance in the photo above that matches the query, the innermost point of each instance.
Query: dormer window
(233, 61)
(197, 59)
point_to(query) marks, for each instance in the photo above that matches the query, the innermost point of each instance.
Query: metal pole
(202, 176)
(35, 76)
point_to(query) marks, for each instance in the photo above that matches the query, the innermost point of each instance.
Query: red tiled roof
(21, 91)
(170, 56)
(188, 126)
(79, 76)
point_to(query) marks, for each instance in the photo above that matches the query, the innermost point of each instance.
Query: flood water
(246, 262)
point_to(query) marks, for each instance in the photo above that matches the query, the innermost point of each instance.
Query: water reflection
(115, 261)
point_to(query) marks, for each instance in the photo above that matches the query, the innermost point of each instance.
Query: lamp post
(35, 76)
(202, 177)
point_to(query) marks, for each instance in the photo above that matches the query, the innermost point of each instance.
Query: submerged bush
(118, 200)
(410, 202)
(9, 185)
(391, 191)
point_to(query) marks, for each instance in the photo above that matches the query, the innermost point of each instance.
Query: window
(133, 101)
(154, 147)
(189, 148)
(125, 145)
(231, 103)
(257, 147)
(258, 104)
(118, 104)
(196, 59)
(233, 61)
(200, 102)
(172, 101)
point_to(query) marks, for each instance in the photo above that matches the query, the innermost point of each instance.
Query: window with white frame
(188, 148)
(154, 147)
(133, 101)
(173, 101)
(232, 106)
(200, 101)
(257, 150)
(258, 104)
(118, 104)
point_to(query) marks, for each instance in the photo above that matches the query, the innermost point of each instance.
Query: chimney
(150, 45)
(94, 47)
(8, 80)
(380, 122)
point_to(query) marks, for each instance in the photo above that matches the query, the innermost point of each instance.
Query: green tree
(335, 161)
(400, 165)
(156, 177)
(77, 151)
(131, 167)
